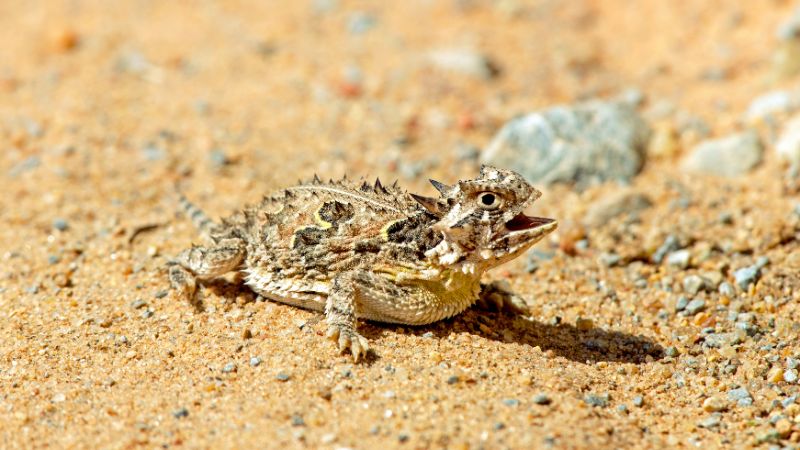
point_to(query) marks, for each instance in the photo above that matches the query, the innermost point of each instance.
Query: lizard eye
(488, 200)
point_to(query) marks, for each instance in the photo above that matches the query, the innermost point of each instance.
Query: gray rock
(788, 144)
(255, 361)
(679, 259)
(790, 375)
(670, 244)
(597, 400)
(583, 143)
(625, 202)
(694, 284)
(60, 224)
(740, 396)
(681, 304)
(771, 104)
(710, 422)
(609, 259)
(465, 62)
(729, 156)
(727, 289)
(719, 340)
(746, 276)
(541, 399)
(695, 306)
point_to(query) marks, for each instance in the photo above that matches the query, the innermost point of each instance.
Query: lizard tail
(199, 218)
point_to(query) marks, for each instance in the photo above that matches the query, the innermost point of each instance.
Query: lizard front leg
(204, 263)
(340, 313)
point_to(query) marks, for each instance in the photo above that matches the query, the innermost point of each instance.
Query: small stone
(360, 22)
(218, 159)
(255, 361)
(771, 104)
(741, 396)
(597, 400)
(788, 143)
(783, 427)
(297, 420)
(180, 413)
(681, 304)
(60, 224)
(228, 368)
(511, 402)
(710, 422)
(790, 376)
(729, 156)
(53, 259)
(670, 245)
(638, 401)
(695, 306)
(161, 293)
(138, 303)
(58, 398)
(583, 143)
(775, 375)
(584, 324)
(403, 437)
(672, 351)
(541, 399)
(727, 289)
(609, 259)
(452, 379)
(679, 259)
(622, 409)
(746, 276)
(499, 426)
(693, 284)
(146, 314)
(282, 376)
(715, 403)
(465, 62)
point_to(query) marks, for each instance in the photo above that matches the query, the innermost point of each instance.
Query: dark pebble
(53, 259)
(138, 303)
(541, 399)
(181, 413)
(402, 437)
(297, 420)
(60, 224)
(452, 379)
(161, 294)
(282, 376)
(511, 402)
(230, 367)
(596, 400)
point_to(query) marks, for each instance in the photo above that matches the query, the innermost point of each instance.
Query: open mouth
(521, 222)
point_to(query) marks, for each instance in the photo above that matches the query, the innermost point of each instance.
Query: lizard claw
(347, 338)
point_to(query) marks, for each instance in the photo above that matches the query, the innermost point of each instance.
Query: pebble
(146, 314)
(715, 403)
(746, 276)
(60, 224)
(790, 376)
(161, 294)
(727, 289)
(541, 399)
(255, 361)
(218, 159)
(297, 420)
(180, 413)
(228, 368)
(618, 204)
(597, 400)
(679, 259)
(360, 22)
(138, 303)
(771, 104)
(681, 304)
(53, 259)
(465, 62)
(695, 306)
(788, 143)
(670, 245)
(403, 437)
(693, 284)
(511, 402)
(583, 143)
(452, 379)
(609, 259)
(729, 156)
(153, 153)
(638, 401)
(282, 376)
(710, 422)
(741, 396)
(671, 351)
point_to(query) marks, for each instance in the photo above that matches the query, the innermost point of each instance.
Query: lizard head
(482, 220)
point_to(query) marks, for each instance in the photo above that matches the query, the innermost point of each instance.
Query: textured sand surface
(105, 105)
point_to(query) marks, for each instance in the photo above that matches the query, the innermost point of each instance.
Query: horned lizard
(372, 252)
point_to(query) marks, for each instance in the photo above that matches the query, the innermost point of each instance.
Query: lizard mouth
(521, 222)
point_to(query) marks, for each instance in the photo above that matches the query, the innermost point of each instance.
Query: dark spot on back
(335, 212)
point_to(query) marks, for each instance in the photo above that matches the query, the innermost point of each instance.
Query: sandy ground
(105, 105)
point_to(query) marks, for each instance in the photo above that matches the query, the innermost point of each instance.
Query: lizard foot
(348, 338)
